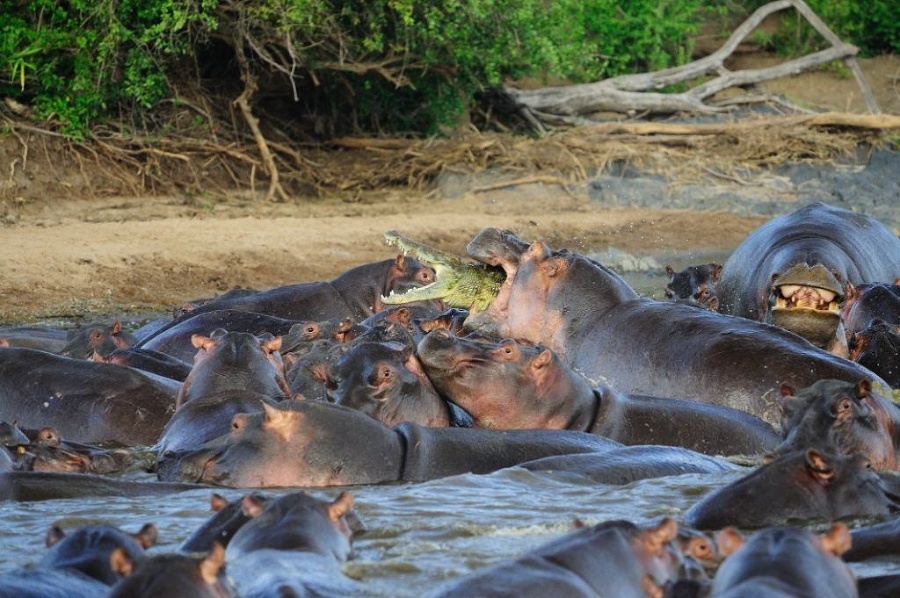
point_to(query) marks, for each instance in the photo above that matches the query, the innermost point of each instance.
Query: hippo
(176, 339)
(801, 485)
(694, 285)
(355, 293)
(600, 326)
(45, 450)
(307, 372)
(341, 330)
(172, 576)
(387, 383)
(315, 444)
(234, 361)
(97, 338)
(7, 463)
(792, 270)
(148, 360)
(613, 559)
(629, 464)
(228, 518)
(294, 545)
(849, 417)
(873, 541)
(43, 338)
(31, 486)
(85, 401)
(233, 293)
(785, 562)
(76, 564)
(877, 347)
(871, 301)
(508, 385)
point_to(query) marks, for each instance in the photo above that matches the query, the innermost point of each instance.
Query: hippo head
(806, 300)
(847, 416)
(695, 285)
(877, 347)
(89, 549)
(172, 575)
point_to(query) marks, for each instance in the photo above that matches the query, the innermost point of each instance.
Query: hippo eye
(237, 423)
(425, 276)
(844, 405)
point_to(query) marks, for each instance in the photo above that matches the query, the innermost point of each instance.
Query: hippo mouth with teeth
(806, 300)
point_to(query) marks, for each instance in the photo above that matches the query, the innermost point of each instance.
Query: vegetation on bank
(319, 69)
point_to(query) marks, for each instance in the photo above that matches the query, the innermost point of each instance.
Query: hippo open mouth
(807, 301)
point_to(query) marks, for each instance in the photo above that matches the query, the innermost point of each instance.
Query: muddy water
(420, 535)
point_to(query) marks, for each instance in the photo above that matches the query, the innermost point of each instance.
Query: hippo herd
(785, 358)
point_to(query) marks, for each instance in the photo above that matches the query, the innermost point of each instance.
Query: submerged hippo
(508, 385)
(227, 519)
(784, 562)
(613, 559)
(801, 485)
(84, 401)
(78, 565)
(172, 576)
(294, 545)
(849, 417)
(600, 326)
(792, 270)
(315, 444)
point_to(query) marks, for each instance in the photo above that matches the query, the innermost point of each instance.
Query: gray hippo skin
(294, 545)
(28, 486)
(785, 562)
(227, 519)
(792, 271)
(802, 485)
(613, 559)
(85, 401)
(314, 444)
(600, 326)
(510, 385)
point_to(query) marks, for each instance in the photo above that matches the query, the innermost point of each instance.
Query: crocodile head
(471, 286)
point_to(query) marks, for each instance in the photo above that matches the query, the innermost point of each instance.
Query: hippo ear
(54, 535)
(729, 540)
(863, 388)
(542, 359)
(212, 564)
(116, 327)
(340, 506)
(217, 502)
(713, 304)
(120, 562)
(199, 341)
(252, 506)
(787, 390)
(147, 535)
(818, 466)
(657, 537)
(837, 540)
(716, 271)
(670, 272)
(270, 344)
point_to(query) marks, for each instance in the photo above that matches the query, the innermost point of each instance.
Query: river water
(419, 535)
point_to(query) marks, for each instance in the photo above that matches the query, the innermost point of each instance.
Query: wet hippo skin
(85, 401)
(315, 444)
(600, 326)
(507, 384)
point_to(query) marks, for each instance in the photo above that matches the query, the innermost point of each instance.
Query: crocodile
(471, 286)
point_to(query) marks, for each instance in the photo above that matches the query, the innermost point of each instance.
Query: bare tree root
(628, 93)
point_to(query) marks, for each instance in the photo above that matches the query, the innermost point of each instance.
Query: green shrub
(392, 65)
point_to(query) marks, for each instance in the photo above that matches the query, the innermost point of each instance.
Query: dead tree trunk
(629, 93)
